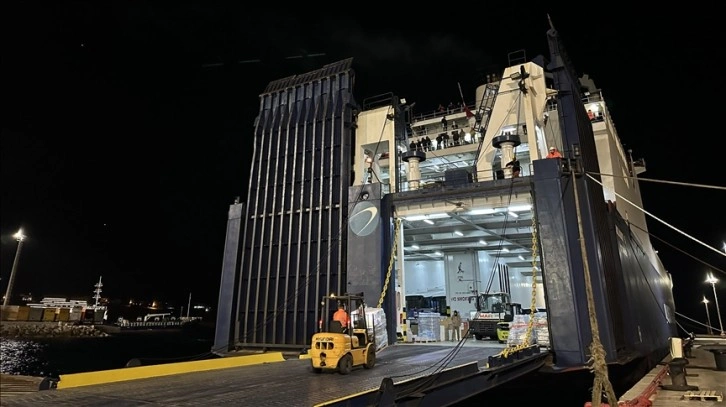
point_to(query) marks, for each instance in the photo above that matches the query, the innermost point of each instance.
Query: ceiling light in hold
(428, 216)
(488, 211)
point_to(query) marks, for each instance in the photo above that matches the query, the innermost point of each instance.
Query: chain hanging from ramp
(533, 301)
(397, 223)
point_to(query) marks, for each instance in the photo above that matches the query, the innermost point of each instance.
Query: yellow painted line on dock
(145, 372)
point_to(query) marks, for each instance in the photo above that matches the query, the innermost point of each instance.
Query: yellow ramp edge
(342, 399)
(144, 372)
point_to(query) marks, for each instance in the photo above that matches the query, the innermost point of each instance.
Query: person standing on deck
(447, 328)
(456, 327)
(554, 153)
(515, 167)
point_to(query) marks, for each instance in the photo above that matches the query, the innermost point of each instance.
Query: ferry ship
(369, 195)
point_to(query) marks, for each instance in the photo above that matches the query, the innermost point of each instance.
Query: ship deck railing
(439, 181)
(422, 120)
(439, 114)
(150, 324)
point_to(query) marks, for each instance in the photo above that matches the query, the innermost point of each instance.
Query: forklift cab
(354, 306)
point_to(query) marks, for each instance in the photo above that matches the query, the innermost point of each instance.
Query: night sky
(127, 127)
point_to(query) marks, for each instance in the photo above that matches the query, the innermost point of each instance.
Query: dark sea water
(51, 357)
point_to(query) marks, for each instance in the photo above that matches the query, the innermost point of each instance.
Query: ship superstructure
(372, 197)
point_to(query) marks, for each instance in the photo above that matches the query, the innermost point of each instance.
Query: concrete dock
(269, 380)
(275, 379)
(700, 383)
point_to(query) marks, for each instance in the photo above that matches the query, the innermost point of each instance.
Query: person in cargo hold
(341, 316)
(456, 326)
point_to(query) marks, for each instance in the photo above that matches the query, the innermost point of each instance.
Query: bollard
(720, 357)
(688, 345)
(135, 362)
(677, 372)
(688, 349)
(48, 383)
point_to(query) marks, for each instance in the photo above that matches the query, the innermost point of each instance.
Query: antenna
(97, 291)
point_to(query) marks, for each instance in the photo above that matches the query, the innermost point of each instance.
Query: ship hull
(328, 211)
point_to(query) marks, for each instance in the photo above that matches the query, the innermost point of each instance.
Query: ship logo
(364, 219)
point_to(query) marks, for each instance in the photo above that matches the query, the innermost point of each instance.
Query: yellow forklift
(341, 348)
(503, 331)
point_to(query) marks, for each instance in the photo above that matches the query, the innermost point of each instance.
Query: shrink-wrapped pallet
(376, 323)
(518, 332)
(428, 327)
(542, 330)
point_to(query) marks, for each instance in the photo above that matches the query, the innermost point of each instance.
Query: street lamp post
(20, 237)
(708, 316)
(189, 306)
(713, 280)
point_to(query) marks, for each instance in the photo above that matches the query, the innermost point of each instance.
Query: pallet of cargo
(703, 395)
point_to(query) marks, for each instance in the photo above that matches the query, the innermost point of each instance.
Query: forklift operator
(341, 316)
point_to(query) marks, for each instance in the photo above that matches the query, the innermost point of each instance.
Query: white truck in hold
(493, 313)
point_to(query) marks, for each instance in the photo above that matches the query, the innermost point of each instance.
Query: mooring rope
(601, 383)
